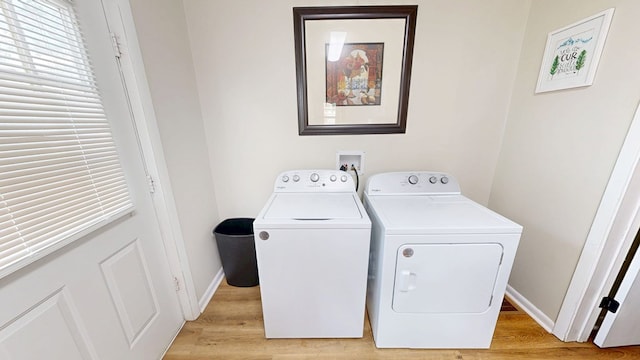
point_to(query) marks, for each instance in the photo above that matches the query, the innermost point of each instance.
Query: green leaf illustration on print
(554, 66)
(581, 59)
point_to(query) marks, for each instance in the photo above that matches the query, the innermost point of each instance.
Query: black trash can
(237, 251)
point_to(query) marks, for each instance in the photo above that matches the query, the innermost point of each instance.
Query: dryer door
(446, 278)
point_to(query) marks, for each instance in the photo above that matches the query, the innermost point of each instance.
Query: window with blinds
(60, 175)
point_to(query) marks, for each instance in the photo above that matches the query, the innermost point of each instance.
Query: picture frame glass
(356, 73)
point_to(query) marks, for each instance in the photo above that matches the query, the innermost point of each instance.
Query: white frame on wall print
(572, 53)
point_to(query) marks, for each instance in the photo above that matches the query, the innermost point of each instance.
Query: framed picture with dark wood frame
(353, 68)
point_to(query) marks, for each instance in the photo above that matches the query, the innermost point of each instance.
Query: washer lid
(314, 206)
(438, 214)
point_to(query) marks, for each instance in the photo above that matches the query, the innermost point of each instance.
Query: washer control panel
(412, 182)
(314, 181)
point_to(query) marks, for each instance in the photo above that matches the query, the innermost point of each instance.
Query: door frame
(122, 28)
(612, 232)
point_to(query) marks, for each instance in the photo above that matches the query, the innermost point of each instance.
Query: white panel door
(109, 295)
(622, 328)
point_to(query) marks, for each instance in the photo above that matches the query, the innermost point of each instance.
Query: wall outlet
(355, 158)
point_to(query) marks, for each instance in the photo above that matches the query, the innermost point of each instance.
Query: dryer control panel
(412, 182)
(314, 181)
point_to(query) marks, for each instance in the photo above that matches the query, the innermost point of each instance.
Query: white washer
(312, 245)
(439, 263)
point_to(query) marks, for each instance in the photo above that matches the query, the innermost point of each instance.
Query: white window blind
(60, 174)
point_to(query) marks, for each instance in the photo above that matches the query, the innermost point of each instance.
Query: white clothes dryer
(439, 263)
(312, 246)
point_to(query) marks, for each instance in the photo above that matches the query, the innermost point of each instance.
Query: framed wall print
(572, 53)
(353, 68)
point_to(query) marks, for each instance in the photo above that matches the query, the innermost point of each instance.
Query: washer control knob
(433, 179)
(343, 178)
(296, 178)
(444, 180)
(407, 252)
(333, 178)
(413, 179)
(315, 177)
(263, 235)
(285, 178)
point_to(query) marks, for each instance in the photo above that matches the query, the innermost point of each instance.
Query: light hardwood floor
(231, 328)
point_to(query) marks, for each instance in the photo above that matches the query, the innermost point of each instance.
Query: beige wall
(560, 147)
(472, 72)
(162, 33)
(463, 71)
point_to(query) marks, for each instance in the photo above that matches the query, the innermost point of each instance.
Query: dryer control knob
(285, 178)
(413, 179)
(315, 177)
(343, 178)
(264, 235)
(296, 178)
(444, 180)
(433, 179)
(333, 178)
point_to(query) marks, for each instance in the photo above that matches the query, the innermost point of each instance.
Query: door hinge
(151, 183)
(609, 304)
(115, 42)
(176, 283)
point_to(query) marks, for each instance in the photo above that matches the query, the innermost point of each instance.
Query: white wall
(162, 34)
(463, 71)
(560, 147)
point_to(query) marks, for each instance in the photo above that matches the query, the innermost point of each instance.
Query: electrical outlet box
(355, 158)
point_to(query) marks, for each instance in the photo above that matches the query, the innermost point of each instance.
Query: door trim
(614, 227)
(121, 25)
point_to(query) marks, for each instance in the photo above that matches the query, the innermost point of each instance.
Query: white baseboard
(530, 309)
(206, 298)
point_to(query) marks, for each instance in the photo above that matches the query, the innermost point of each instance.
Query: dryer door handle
(407, 281)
